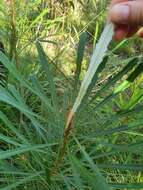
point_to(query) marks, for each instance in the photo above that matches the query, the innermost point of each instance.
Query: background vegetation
(47, 50)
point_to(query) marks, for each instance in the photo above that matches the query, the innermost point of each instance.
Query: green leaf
(96, 181)
(40, 91)
(136, 73)
(80, 54)
(22, 181)
(127, 186)
(9, 153)
(6, 97)
(93, 180)
(116, 149)
(47, 69)
(124, 113)
(96, 60)
(76, 175)
(66, 181)
(94, 80)
(131, 64)
(16, 74)
(11, 127)
(122, 167)
(8, 140)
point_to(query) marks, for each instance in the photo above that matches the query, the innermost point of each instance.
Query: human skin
(127, 16)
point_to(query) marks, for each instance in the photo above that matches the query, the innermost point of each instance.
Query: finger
(113, 2)
(130, 12)
(132, 30)
(121, 31)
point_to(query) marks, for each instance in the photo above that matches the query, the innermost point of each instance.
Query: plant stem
(66, 135)
(13, 40)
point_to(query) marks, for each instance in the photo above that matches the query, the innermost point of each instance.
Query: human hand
(127, 16)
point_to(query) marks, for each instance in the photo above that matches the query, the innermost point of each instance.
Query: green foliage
(80, 55)
(104, 149)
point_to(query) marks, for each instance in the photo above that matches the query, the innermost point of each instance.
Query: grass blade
(46, 68)
(99, 181)
(93, 180)
(96, 59)
(11, 127)
(80, 54)
(15, 73)
(22, 181)
(132, 63)
(9, 153)
(127, 186)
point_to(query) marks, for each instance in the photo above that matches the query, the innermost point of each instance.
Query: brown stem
(66, 135)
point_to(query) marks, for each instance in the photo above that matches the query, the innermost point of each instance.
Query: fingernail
(121, 13)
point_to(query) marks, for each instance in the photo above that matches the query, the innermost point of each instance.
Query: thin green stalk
(13, 40)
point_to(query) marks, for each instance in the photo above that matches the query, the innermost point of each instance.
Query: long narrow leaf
(17, 151)
(46, 68)
(16, 74)
(96, 59)
(22, 181)
(80, 54)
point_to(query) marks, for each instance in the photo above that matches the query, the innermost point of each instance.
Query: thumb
(130, 12)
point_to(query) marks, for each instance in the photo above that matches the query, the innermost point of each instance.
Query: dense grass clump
(47, 50)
